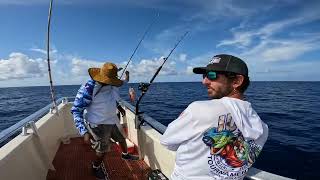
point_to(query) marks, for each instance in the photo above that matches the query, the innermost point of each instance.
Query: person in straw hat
(99, 97)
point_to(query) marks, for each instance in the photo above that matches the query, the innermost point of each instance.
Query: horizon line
(161, 82)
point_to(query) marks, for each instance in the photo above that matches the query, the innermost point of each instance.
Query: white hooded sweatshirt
(215, 139)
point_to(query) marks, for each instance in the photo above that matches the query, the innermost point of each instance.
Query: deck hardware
(29, 125)
(65, 100)
(54, 110)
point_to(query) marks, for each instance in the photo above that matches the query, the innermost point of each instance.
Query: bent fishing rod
(144, 87)
(55, 107)
(144, 34)
(135, 50)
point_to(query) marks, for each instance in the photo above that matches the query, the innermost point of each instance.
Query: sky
(278, 39)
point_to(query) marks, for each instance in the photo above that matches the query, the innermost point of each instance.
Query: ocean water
(291, 110)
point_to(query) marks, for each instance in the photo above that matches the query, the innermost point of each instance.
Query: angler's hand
(86, 138)
(127, 76)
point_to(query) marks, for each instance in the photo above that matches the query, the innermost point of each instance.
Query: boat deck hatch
(73, 161)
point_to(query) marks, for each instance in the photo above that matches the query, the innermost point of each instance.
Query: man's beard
(220, 95)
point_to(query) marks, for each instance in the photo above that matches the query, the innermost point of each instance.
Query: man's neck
(237, 95)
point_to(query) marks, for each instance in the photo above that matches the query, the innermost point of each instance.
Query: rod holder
(54, 110)
(65, 101)
(29, 125)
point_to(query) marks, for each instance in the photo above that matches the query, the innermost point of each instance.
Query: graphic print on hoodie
(215, 139)
(230, 154)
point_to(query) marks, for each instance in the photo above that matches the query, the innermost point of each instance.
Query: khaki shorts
(104, 132)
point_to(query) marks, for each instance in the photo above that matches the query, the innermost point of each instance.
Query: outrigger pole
(144, 87)
(55, 107)
(145, 33)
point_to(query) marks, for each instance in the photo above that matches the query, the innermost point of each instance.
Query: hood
(245, 117)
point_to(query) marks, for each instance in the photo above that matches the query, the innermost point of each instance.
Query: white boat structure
(49, 144)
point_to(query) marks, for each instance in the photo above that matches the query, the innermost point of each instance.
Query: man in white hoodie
(219, 138)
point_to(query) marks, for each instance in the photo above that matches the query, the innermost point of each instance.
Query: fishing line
(145, 86)
(135, 50)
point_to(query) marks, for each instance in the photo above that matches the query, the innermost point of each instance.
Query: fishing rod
(144, 87)
(145, 33)
(55, 107)
(124, 69)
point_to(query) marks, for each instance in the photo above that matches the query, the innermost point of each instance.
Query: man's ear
(238, 81)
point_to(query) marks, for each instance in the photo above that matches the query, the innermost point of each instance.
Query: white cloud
(43, 51)
(281, 50)
(20, 66)
(189, 70)
(147, 67)
(285, 52)
(80, 66)
(183, 57)
(213, 10)
(242, 39)
(144, 67)
(198, 61)
(164, 41)
(299, 71)
(203, 59)
(270, 43)
(245, 38)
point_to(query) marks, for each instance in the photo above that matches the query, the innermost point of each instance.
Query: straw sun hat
(107, 74)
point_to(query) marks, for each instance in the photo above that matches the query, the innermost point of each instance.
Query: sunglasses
(211, 75)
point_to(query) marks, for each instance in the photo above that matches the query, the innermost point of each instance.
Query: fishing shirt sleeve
(82, 100)
(179, 130)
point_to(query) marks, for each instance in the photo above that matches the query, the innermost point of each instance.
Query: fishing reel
(143, 87)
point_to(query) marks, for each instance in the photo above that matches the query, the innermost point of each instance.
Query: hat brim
(204, 70)
(95, 75)
(200, 70)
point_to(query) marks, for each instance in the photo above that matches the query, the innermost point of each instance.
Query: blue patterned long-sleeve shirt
(82, 100)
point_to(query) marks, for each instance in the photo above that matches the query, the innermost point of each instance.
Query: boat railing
(253, 173)
(156, 125)
(14, 129)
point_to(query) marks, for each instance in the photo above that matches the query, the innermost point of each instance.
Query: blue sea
(291, 110)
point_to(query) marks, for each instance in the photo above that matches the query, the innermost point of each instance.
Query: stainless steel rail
(149, 120)
(254, 173)
(5, 134)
